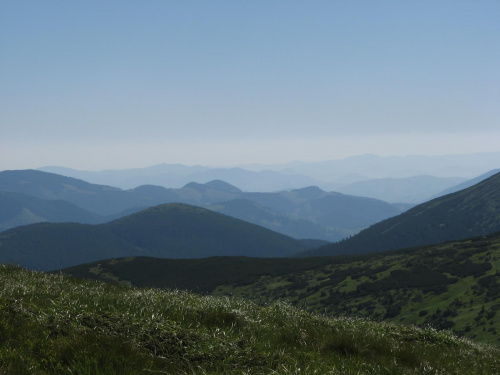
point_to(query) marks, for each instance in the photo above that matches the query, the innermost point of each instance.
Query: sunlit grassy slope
(54, 324)
(454, 285)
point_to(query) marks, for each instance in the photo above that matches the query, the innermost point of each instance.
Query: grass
(445, 285)
(56, 324)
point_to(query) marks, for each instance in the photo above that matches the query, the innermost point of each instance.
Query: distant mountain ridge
(165, 231)
(177, 176)
(474, 211)
(328, 175)
(18, 209)
(365, 167)
(395, 179)
(256, 213)
(468, 183)
(103, 200)
(320, 215)
(401, 190)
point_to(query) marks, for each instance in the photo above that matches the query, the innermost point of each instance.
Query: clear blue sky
(112, 84)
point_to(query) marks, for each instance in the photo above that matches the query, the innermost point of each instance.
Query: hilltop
(54, 324)
(166, 231)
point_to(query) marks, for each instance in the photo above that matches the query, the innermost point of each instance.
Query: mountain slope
(167, 231)
(255, 213)
(103, 200)
(48, 246)
(346, 211)
(197, 229)
(415, 189)
(454, 285)
(54, 324)
(468, 183)
(471, 212)
(20, 209)
(330, 209)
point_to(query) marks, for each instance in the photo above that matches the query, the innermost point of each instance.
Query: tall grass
(54, 324)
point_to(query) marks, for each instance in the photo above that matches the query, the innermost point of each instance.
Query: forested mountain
(166, 231)
(471, 212)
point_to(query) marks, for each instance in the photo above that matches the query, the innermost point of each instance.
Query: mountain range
(436, 263)
(471, 212)
(452, 284)
(407, 179)
(365, 167)
(183, 231)
(301, 213)
(415, 189)
(176, 176)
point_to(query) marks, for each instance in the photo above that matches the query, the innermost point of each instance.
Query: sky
(101, 84)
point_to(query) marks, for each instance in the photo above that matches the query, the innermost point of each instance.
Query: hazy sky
(112, 84)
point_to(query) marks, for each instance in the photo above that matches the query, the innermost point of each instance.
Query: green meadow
(56, 324)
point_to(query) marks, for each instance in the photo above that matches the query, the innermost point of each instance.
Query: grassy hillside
(53, 324)
(166, 231)
(449, 286)
(454, 285)
(471, 212)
